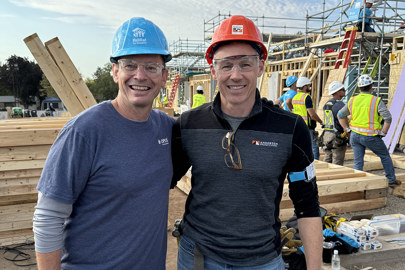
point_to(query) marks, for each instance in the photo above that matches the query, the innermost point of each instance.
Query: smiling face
(237, 87)
(138, 89)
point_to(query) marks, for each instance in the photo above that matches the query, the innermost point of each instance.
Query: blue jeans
(315, 148)
(375, 144)
(185, 260)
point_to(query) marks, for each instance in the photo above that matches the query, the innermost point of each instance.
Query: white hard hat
(370, 1)
(364, 80)
(335, 86)
(302, 81)
(200, 87)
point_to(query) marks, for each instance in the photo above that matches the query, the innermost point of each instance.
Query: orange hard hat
(236, 28)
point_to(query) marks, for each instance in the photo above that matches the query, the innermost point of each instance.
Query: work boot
(395, 183)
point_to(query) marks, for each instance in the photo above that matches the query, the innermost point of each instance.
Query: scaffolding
(389, 22)
(296, 45)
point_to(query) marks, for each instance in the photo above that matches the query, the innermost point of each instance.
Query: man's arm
(49, 261)
(180, 160)
(310, 230)
(48, 226)
(304, 195)
(314, 115)
(289, 104)
(278, 102)
(342, 117)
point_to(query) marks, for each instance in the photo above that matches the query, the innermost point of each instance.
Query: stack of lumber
(24, 146)
(341, 190)
(61, 73)
(372, 161)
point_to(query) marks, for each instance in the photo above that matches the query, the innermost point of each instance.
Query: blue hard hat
(139, 36)
(291, 80)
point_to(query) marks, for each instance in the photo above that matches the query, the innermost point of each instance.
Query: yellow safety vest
(198, 100)
(329, 120)
(364, 110)
(299, 106)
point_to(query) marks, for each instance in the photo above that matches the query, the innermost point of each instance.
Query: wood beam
(73, 77)
(53, 74)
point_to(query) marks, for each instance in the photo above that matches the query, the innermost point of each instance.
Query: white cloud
(177, 18)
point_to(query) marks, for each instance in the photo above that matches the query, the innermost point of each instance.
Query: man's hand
(381, 134)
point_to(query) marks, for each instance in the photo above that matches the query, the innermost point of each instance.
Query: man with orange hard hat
(241, 147)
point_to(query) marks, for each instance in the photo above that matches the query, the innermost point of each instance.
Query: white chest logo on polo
(164, 141)
(268, 144)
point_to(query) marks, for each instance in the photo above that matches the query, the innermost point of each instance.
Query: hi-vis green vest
(299, 107)
(198, 100)
(365, 118)
(329, 120)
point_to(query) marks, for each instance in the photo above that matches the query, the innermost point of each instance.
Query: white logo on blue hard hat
(139, 36)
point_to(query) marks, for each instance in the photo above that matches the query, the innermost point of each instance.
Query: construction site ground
(176, 209)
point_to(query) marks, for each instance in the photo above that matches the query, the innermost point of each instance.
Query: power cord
(16, 254)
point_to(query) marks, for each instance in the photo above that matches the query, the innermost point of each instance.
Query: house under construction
(325, 48)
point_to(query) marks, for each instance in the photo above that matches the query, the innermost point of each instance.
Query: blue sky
(86, 27)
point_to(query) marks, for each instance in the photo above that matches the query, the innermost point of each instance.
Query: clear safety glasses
(130, 67)
(245, 63)
(232, 156)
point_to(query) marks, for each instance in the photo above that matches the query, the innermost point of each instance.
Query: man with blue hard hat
(287, 97)
(103, 193)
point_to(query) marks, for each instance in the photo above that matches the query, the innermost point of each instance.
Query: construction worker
(165, 101)
(334, 137)
(287, 97)
(241, 148)
(368, 21)
(103, 192)
(367, 112)
(302, 104)
(199, 98)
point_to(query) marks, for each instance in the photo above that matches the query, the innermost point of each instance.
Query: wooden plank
(309, 58)
(340, 176)
(19, 190)
(16, 237)
(73, 77)
(53, 74)
(341, 186)
(28, 137)
(16, 225)
(24, 152)
(20, 173)
(12, 209)
(33, 126)
(34, 120)
(18, 199)
(21, 165)
(375, 193)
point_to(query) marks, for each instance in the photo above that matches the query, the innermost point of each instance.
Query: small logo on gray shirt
(268, 144)
(164, 141)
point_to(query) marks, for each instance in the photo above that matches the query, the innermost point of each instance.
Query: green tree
(21, 77)
(46, 89)
(102, 85)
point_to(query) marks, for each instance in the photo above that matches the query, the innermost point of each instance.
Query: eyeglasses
(245, 63)
(232, 152)
(130, 67)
